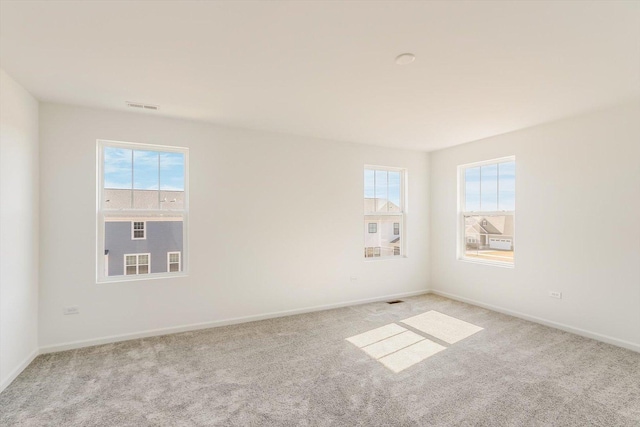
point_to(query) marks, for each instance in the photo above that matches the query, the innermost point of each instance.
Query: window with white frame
(384, 211)
(135, 264)
(142, 213)
(173, 261)
(137, 230)
(487, 211)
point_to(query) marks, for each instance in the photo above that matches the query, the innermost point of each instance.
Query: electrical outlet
(71, 310)
(555, 294)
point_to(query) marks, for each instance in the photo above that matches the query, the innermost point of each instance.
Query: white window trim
(461, 242)
(137, 264)
(101, 276)
(169, 262)
(144, 231)
(402, 214)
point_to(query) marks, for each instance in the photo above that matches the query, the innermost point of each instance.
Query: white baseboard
(18, 370)
(593, 335)
(225, 322)
(197, 326)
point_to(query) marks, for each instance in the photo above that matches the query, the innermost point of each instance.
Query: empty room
(319, 213)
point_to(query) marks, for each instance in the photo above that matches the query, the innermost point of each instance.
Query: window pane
(143, 269)
(381, 191)
(117, 168)
(472, 189)
(163, 235)
(383, 242)
(394, 192)
(369, 191)
(131, 269)
(174, 267)
(507, 186)
(489, 188)
(146, 180)
(172, 171)
(171, 181)
(489, 237)
(145, 170)
(174, 257)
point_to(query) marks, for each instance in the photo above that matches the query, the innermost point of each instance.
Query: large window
(384, 212)
(142, 211)
(487, 211)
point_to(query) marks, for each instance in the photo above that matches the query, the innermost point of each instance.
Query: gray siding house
(159, 239)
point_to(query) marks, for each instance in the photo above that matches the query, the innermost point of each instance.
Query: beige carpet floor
(301, 371)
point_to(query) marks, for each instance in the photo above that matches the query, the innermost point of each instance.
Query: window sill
(385, 258)
(489, 263)
(139, 278)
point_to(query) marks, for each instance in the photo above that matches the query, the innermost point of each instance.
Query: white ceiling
(326, 69)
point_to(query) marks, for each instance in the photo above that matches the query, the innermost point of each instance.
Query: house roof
(495, 224)
(373, 205)
(143, 199)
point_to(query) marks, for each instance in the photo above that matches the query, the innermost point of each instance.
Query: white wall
(276, 224)
(577, 225)
(18, 228)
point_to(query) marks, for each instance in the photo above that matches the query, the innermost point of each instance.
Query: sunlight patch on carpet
(376, 335)
(409, 356)
(395, 347)
(392, 344)
(445, 328)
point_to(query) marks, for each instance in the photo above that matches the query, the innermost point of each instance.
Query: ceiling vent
(142, 106)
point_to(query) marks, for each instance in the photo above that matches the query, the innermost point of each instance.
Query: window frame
(144, 230)
(169, 261)
(101, 275)
(137, 255)
(402, 214)
(462, 213)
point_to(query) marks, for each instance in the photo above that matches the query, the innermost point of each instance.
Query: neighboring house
(489, 232)
(382, 232)
(143, 244)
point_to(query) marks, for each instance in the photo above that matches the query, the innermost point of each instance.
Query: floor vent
(395, 301)
(143, 106)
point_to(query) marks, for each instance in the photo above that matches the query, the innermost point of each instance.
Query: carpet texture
(301, 371)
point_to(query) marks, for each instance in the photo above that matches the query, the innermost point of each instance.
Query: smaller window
(373, 227)
(173, 261)
(396, 228)
(396, 250)
(138, 229)
(136, 264)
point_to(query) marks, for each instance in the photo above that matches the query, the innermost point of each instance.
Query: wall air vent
(142, 106)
